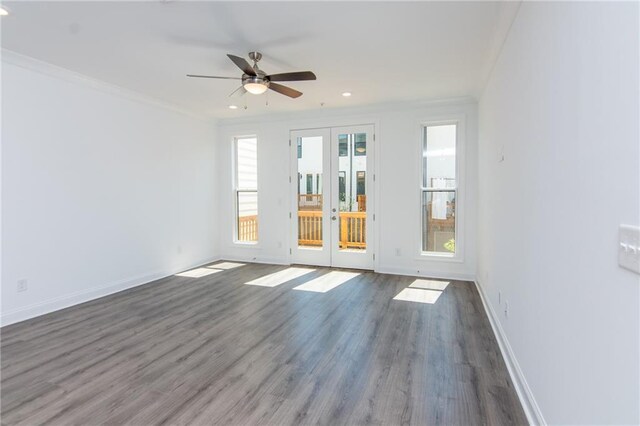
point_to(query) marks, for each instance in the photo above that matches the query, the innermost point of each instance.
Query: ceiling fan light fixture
(346, 94)
(233, 107)
(4, 11)
(255, 88)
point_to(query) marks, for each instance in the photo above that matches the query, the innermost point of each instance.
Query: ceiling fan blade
(243, 65)
(238, 92)
(292, 76)
(287, 91)
(213, 76)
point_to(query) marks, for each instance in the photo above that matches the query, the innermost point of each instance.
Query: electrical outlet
(499, 297)
(506, 309)
(22, 285)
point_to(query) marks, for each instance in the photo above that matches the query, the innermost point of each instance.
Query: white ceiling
(382, 52)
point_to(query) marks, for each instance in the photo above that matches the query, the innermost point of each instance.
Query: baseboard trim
(528, 401)
(426, 274)
(66, 301)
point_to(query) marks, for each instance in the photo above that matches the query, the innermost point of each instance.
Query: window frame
(237, 190)
(459, 122)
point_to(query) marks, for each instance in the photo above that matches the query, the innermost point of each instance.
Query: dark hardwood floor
(212, 350)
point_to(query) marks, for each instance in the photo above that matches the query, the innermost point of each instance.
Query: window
(343, 145)
(309, 183)
(439, 189)
(360, 182)
(342, 186)
(360, 144)
(299, 148)
(246, 189)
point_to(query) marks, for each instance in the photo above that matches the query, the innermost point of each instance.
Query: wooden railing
(310, 228)
(248, 228)
(353, 229)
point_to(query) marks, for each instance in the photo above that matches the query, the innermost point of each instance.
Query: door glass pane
(352, 191)
(438, 221)
(310, 192)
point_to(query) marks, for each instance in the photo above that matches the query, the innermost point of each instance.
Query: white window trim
(235, 190)
(461, 140)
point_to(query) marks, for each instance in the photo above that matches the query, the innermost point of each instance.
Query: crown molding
(355, 110)
(36, 65)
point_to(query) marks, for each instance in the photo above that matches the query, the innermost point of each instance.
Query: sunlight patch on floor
(198, 272)
(430, 284)
(327, 282)
(418, 295)
(226, 265)
(280, 277)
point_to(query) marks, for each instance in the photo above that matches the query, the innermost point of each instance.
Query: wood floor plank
(213, 350)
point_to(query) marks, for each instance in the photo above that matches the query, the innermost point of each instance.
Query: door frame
(372, 195)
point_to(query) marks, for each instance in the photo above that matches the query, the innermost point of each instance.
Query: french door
(332, 197)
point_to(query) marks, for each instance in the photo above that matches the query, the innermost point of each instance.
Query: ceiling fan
(256, 81)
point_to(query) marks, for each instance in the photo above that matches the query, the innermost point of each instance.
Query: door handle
(333, 218)
(333, 210)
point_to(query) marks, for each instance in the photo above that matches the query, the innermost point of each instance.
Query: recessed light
(3, 11)
(346, 94)
(233, 107)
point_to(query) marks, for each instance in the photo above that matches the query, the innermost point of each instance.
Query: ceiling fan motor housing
(260, 77)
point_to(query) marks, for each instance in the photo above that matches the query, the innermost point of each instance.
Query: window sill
(437, 257)
(245, 244)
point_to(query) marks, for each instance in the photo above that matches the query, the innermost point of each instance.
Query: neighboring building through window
(246, 189)
(360, 144)
(360, 183)
(309, 183)
(439, 188)
(343, 145)
(342, 186)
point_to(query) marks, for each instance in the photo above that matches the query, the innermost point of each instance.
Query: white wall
(100, 190)
(398, 150)
(562, 102)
